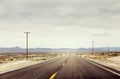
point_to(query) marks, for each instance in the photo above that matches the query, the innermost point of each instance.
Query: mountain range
(18, 49)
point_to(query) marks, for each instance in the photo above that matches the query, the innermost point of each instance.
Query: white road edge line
(105, 68)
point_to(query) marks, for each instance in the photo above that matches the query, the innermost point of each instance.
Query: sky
(60, 23)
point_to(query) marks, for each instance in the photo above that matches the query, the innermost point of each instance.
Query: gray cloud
(66, 18)
(101, 34)
(83, 13)
(63, 8)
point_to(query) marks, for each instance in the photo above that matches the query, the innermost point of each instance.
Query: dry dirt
(111, 59)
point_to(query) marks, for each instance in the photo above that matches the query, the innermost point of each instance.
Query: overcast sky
(60, 23)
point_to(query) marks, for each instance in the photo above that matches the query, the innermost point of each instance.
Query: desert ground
(9, 62)
(111, 59)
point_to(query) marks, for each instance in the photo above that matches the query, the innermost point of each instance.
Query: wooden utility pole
(27, 44)
(108, 48)
(93, 50)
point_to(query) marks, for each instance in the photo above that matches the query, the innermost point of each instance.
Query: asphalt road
(66, 67)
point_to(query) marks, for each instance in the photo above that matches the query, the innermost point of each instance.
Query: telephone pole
(108, 48)
(93, 50)
(26, 44)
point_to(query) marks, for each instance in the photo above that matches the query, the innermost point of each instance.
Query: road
(65, 67)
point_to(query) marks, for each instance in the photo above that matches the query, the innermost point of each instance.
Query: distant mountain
(18, 49)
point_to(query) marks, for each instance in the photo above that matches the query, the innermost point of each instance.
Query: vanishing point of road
(65, 67)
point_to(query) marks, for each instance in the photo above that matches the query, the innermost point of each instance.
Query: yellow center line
(53, 76)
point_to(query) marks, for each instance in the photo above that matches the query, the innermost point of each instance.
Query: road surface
(66, 67)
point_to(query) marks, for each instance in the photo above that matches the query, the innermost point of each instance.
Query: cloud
(101, 35)
(61, 18)
(83, 13)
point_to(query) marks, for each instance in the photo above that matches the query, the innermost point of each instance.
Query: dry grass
(101, 56)
(111, 59)
(35, 57)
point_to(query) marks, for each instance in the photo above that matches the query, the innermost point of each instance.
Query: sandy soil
(14, 65)
(113, 62)
(14, 62)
